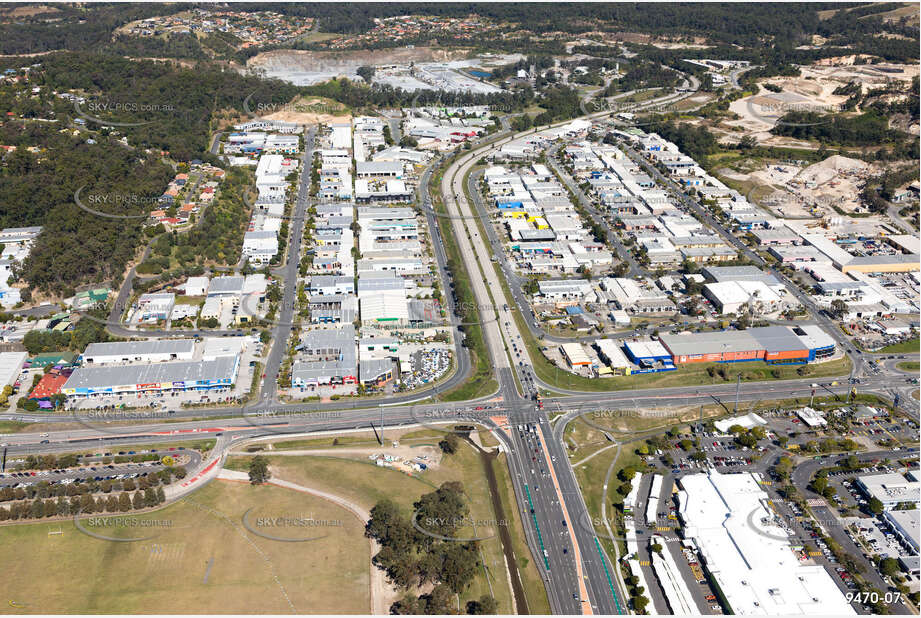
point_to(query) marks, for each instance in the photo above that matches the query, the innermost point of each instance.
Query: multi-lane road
(579, 577)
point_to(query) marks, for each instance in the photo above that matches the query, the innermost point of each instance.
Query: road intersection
(579, 576)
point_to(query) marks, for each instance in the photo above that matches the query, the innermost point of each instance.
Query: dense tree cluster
(176, 104)
(359, 94)
(864, 130)
(411, 558)
(696, 142)
(37, 189)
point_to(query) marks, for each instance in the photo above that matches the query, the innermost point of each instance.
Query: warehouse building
(153, 377)
(575, 355)
(609, 352)
(150, 351)
(719, 274)
(330, 357)
(749, 556)
(650, 355)
(732, 296)
(380, 169)
(155, 306)
(772, 344)
(10, 365)
(565, 289)
(890, 488)
(196, 286)
(906, 525)
(231, 285)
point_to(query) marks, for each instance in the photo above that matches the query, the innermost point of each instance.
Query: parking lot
(97, 468)
(427, 366)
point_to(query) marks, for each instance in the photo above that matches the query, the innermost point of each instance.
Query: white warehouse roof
(728, 517)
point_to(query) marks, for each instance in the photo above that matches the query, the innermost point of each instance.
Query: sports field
(201, 558)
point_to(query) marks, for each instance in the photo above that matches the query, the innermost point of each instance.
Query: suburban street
(579, 577)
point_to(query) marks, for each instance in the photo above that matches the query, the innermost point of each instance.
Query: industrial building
(906, 525)
(330, 358)
(10, 365)
(149, 351)
(719, 274)
(729, 520)
(153, 377)
(155, 306)
(650, 355)
(733, 296)
(566, 289)
(890, 488)
(575, 355)
(609, 351)
(772, 344)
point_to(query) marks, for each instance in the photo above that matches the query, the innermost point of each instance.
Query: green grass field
(205, 561)
(909, 366)
(590, 477)
(366, 484)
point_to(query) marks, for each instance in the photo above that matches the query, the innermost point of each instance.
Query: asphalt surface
(288, 272)
(552, 477)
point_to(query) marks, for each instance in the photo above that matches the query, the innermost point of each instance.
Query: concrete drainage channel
(486, 458)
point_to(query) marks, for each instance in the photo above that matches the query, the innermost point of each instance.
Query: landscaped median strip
(540, 540)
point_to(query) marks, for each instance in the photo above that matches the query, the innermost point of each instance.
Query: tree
(449, 444)
(138, 501)
(888, 566)
(365, 72)
(124, 502)
(640, 603)
(656, 547)
(819, 485)
(875, 506)
(839, 308)
(747, 440)
(485, 605)
(259, 470)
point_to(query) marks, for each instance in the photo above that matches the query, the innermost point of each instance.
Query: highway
(579, 577)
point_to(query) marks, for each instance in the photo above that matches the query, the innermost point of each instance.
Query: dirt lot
(309, 67)
(797, 192)
(811, 91)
